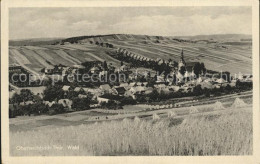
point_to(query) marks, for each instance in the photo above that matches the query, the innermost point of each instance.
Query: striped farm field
(219, 56)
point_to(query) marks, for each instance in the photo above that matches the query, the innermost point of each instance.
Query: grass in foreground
(225, 133)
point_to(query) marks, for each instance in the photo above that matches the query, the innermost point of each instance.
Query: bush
(80, 103)
(111, 104)
(38, 108)
(53, 92)
(128, 101)
(56, 109)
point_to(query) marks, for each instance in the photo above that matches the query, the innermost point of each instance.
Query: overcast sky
(166, 21)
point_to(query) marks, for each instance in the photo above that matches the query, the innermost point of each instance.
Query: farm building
(49, 103)
(16, 69)
(26, 103)
(78, 66)
(66, 88)
(48, 70)
(105, 88)
(100, 100)
(207, 85)
(138, 90)
(129, 94)
(66, 103)
(95, 69)
(221, 81)
(82, 96)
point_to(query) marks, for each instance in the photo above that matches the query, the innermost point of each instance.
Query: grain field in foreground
(227, 132)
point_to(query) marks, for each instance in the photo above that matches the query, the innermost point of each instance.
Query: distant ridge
(106, 38)
(217, 37)
(115, 37)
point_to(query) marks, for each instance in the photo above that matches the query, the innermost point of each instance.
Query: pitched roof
(77, 89)
(139, 89)
(78, 66)
(120, 90)
(132, 84)
(49, 103)
(105, 87)
(221, 80)
(65, 102)
(123, 84)
(65, 87)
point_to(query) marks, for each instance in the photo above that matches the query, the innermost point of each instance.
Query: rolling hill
(219, 52)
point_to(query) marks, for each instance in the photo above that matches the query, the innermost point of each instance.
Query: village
(138, 80)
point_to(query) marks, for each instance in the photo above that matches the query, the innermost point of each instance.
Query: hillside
(228, 54)
(34, 42)
(218, 37)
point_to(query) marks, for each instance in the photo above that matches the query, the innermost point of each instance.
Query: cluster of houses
(175, 67)
(62, 69)
(132, 89)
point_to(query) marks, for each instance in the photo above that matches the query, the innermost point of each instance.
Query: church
(189, 66)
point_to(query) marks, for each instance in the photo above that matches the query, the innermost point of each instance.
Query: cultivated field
(219, 55)
(214, 129)
(227, 132)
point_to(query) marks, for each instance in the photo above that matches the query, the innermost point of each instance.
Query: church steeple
(182, 57)
(182, 61)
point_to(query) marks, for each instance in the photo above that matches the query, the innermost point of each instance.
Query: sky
(160, 21)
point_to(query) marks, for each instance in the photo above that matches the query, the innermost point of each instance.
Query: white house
(100, 100)
(65, 102)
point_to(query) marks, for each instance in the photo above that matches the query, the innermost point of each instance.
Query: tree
(206, 92)
(39, 108)
(226, 76)
(228, 88)
(197, 90)
(81, 103)
(182, 70)
(151, 82)
(53, 92)
(26, 95)
(121, 63)
(72, 94)
(128, 101)
(175, 64)
(42, 70)
(56, 109)
(203, 68)
(154, 95)
(16, 99)
(105, 65)
(111, 104)
(197, 69)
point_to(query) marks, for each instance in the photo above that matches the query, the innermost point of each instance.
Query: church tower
(182, 61)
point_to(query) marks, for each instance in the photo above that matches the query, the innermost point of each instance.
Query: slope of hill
(218, 37)
(218, 55)
(34, 42)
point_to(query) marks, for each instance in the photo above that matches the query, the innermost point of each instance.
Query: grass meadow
(225, 132)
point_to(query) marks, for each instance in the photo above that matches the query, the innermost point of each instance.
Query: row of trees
(107, 45)
(156, 96)
(164, 67)
(37, 108)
